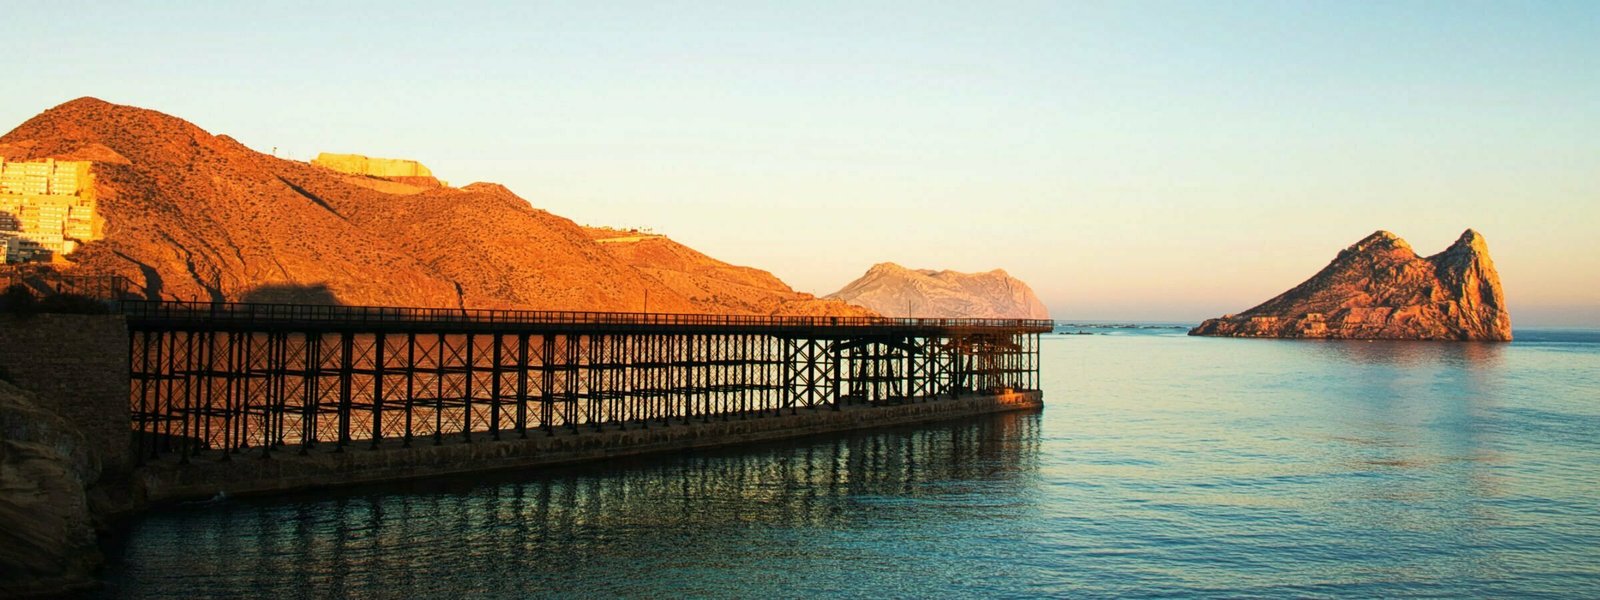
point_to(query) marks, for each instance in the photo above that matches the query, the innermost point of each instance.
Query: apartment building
(47, 208)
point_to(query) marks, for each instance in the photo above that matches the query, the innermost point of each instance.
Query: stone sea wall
(77, 366)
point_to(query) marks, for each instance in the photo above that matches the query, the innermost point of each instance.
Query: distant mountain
(896, 291)
(188, 214)
(1381, 289)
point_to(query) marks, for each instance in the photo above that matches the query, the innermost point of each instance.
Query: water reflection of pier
(257, 377)
(569, 532)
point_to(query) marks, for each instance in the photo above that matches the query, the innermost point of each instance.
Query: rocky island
(1380, 288)
(896, 291)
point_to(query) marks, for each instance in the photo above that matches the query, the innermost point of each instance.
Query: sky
(1128, 160)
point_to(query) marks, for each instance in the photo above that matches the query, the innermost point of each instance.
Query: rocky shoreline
(64, 447)
(47, 469)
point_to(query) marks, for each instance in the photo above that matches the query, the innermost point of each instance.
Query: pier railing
(308, 314)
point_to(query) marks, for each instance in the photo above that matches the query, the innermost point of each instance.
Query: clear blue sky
(1130, 160)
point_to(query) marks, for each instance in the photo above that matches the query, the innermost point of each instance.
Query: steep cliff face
(189, 215)
(47, 543)
(1380, 288)
(896, 291)
(703, 279)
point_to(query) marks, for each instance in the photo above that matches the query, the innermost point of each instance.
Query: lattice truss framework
(194, 390)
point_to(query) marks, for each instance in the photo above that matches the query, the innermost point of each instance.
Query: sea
(1162, 466)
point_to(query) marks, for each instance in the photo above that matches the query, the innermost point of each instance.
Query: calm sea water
(1163, 466)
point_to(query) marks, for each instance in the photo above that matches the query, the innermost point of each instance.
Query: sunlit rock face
(192, 215)
(701, 278)
(1381, 289)
(896, 291)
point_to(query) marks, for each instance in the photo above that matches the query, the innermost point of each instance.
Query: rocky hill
(189, 214)
(1381, 289)
(703, 279)
(896, 291)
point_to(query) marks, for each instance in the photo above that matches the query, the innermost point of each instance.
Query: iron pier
(225, 379)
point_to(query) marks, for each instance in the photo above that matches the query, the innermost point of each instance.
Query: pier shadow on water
(669, 525)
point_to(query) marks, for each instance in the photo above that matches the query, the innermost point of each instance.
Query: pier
(214, 381)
